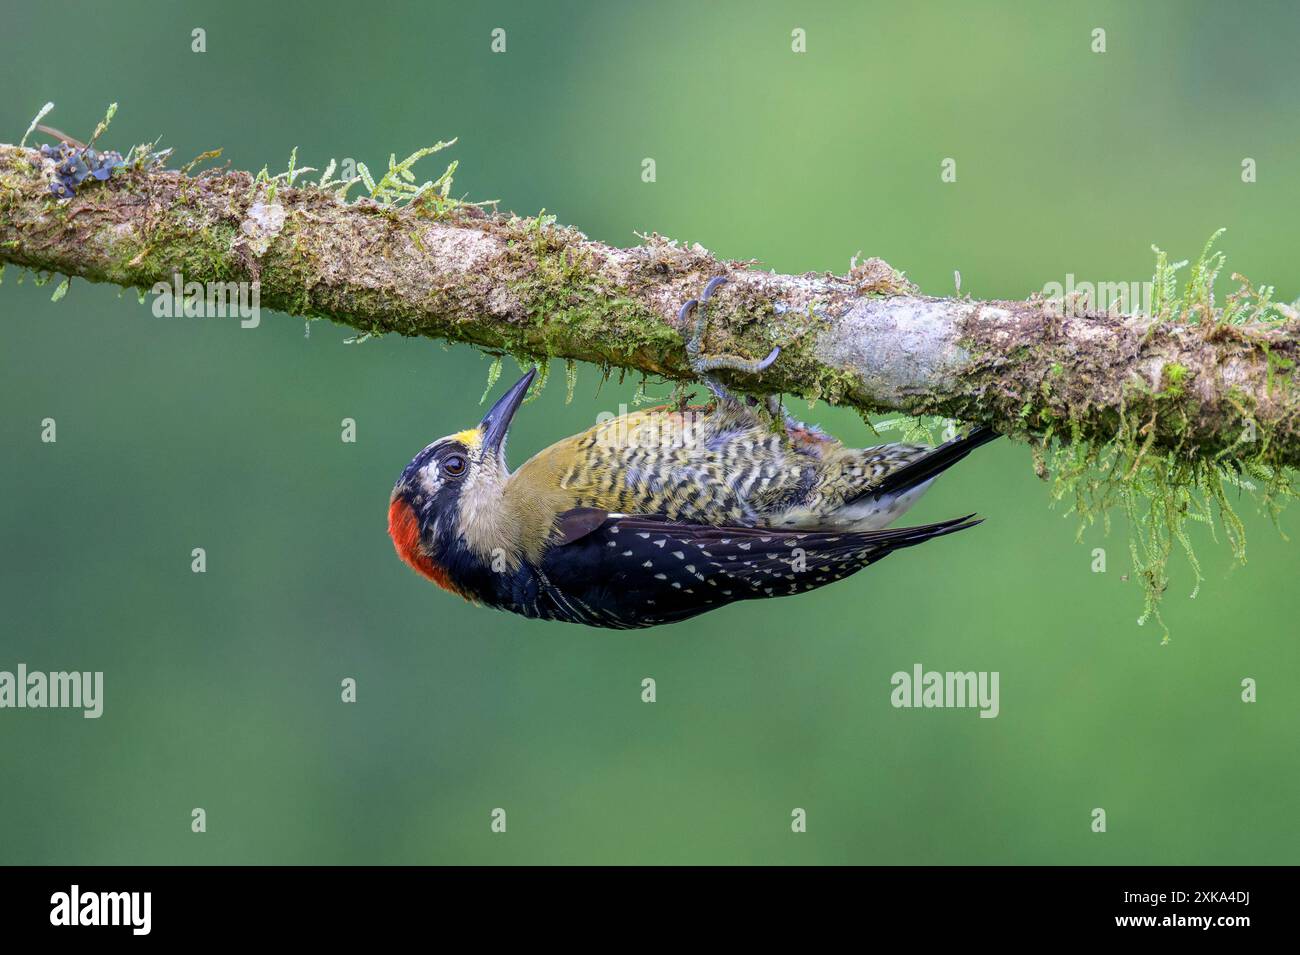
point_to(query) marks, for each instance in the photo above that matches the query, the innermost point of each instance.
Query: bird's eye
(453, 465)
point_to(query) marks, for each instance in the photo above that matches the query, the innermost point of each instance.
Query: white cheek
(430, 480)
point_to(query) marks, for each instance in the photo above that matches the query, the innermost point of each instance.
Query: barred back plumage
(725, 463)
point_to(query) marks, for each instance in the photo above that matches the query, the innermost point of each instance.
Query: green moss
(1160, 493)
(1173, 375)
(1278, 363)
(1157, 451)
(564, 296)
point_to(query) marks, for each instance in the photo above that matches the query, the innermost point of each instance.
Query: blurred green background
(222, 689)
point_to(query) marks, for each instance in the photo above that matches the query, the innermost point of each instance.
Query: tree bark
(1196, 390)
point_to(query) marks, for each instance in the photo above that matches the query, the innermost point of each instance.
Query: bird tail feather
(931, 465)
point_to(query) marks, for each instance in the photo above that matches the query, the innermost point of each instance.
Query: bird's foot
(703, 364)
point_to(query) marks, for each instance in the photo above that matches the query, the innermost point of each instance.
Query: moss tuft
(1160, 493)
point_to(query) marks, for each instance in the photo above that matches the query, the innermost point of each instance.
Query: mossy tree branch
(1192, 389)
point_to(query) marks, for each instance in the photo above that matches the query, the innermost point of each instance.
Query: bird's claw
(713, 284)
(749, 366)
(703, 364)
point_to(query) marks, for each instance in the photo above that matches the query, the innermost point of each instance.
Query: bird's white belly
(868, 514)
(874, 513)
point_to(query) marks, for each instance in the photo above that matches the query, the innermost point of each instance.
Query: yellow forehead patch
(471, 438)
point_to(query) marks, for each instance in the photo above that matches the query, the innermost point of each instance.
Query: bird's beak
(497, 421)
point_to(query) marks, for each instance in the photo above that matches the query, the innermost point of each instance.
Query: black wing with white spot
(640, 571)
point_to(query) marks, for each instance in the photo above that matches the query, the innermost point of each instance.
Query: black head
(448, 488)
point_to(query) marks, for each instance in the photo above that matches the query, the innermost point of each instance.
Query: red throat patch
(404, 529)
